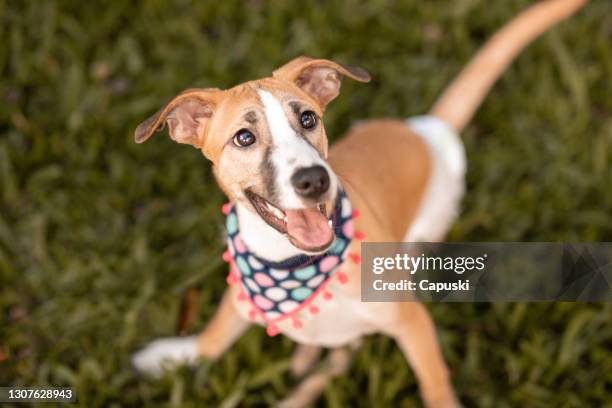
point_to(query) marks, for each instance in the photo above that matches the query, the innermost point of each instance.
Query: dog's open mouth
(308, 229)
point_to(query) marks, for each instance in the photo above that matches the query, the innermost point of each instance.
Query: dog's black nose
(310, 182)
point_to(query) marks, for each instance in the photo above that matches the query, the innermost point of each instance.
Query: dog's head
(267, 143)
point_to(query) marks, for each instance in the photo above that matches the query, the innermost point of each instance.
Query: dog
(293, 214)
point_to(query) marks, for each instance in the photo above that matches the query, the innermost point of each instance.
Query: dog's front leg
(224, 328)
(415, 333)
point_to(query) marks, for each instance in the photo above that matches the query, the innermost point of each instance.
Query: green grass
(99, 237)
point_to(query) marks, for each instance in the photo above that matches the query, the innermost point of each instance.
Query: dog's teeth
(275, 211)
(329, 223)
(278, 213)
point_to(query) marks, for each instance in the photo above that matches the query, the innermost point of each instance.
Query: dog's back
(415, 169)
(370, 155)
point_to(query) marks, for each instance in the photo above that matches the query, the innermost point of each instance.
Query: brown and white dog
(270, 156)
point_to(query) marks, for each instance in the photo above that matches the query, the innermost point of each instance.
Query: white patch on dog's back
(290, 152)
(440, 205)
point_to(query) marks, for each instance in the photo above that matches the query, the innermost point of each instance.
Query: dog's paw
(165, 354)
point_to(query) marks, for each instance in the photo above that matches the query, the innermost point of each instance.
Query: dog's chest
(338, 320)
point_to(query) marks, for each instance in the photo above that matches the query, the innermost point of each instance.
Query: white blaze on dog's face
(296, 133)
(268, 145)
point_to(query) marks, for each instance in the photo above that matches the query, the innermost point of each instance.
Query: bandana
(281, 290)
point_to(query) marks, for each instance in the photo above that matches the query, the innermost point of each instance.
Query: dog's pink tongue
(309, 227)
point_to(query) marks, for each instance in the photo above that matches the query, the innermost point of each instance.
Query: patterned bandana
(280, 290)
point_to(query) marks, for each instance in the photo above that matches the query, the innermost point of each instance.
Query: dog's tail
(460, 100)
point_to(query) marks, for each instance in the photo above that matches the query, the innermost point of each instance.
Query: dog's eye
(308, 119)
(244, 138)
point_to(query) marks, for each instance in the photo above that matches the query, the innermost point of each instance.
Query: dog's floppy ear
(187, 116)
(320, 78)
